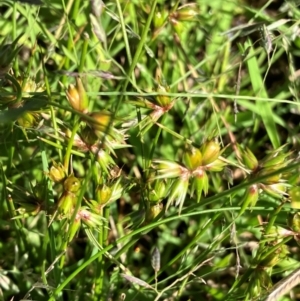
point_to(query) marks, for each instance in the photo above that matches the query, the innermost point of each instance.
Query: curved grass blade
(264, 107)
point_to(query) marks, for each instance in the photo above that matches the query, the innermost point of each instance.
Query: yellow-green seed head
(90, 219)
(272, 179)
(248, 159)
(77, 97)
(66, 203)
(105, 160)
(29, 87)
(277, 190)
(210, 152)
(28, 120)
(188, 12)
(101, 121)
(178, 192)
(71, 184)
(163, 100)
(169, 169)
(217, 165)
(154, 211)
(103, 194)
(295, 197)
(199, 184)
(274, 161)
(192, 158)
(159, 18)
(57, 172)
(294, 221)
(178, 26)
(250, 198)
(157, 190)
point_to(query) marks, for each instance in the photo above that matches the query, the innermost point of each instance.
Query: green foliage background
(178, 161)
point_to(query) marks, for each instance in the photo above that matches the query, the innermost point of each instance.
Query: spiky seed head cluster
(89, 215)
(78, 99)
(106, 194)
(57, 172)
(177, 18)
(273, 183)
(189, 176)
(159, 105)
(186, 13)
(26, 86)
(29, 86)
(97, 133)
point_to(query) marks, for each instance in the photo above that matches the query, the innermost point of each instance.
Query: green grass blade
(259, 90)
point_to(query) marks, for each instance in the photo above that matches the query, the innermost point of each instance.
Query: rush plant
(149, 150)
